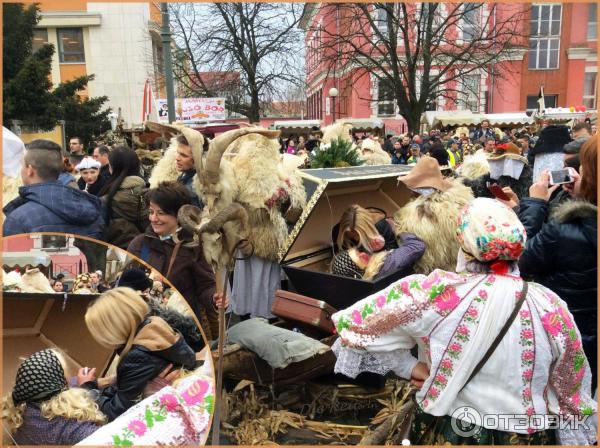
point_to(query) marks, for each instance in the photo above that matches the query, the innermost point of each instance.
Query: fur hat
(553, 138)
(88, 163)
(135, 279)
(34, 281)
(426, 173)
(507, 150)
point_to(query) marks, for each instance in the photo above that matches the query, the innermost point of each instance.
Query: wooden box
(306, 256)
(34, 321)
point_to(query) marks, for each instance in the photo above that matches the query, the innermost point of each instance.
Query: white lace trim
(351, 362)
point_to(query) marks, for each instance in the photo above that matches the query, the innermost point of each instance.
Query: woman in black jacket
(561, 253)
(120, 319)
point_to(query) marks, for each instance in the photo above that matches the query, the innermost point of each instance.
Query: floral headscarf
(490, 231)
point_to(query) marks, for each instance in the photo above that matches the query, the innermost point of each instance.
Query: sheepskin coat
(165, 170)
(434, 219)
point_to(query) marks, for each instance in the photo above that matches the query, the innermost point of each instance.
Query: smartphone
(497, 192)
(559, 177)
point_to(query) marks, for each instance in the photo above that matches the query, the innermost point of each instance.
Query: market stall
(297, 127)
(372, 126)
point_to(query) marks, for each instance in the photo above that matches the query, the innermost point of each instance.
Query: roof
(362, 123)
(25, 258)
(508, 118)
(296, 124)
(450, 118)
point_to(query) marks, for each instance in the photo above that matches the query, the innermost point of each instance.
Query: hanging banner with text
(193, 110)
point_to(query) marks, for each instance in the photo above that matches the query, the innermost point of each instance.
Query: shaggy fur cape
(165, 170)
(434, 219)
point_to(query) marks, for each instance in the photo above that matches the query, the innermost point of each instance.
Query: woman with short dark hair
(170, 250)
(126, 214)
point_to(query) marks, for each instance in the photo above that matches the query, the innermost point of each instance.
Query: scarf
(39, 377)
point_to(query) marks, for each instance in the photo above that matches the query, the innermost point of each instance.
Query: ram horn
(189, 217)
(234, 212)
(220, 144)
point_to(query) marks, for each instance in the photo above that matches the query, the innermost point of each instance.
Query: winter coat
(407, 253)
(187, 178)
(155, 346)
(561, 255)
(53, 207)
(520, 186)
(94, 188)
(191, 275)
(38, 430)
(128, 214)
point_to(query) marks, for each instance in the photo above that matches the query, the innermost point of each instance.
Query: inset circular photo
(99, 349)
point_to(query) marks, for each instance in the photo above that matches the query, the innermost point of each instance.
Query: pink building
(562, 57)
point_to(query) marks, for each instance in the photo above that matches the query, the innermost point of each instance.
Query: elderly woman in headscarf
(488, 342)
(43, 410)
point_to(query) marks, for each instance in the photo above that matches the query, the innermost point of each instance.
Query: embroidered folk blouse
(538, 368)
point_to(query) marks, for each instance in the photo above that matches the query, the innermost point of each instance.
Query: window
(70, 45)
(55, 242)
(592, 30)
(589, 90)
(549, 101)
(470, 92)
(381, 17)
(40, 38)
(385, 98)
(471, 21)
(544, 39)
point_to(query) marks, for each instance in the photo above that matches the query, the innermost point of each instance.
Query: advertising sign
(193, 110)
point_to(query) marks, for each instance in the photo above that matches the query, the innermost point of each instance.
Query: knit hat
(489, 231)
(426, 173)
(135, 279)
(346, 267)
(39, 377)
(88, 163)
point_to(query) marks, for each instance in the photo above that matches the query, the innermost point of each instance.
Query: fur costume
(10, 188)
(165, 170)
(253, 175)
(337, 130)
(11, 281)
(474, 166)
(434, 219)
(375, 155)
(519, 186)
(34, 281)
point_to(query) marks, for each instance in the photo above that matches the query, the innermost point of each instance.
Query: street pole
(165, 33)
(333, 107)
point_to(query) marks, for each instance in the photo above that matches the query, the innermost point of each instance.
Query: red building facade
(560, 54)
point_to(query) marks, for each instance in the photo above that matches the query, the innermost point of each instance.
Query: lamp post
(333, 93)
(165, 33)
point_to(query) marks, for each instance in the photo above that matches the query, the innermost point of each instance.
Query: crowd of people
(485, 216)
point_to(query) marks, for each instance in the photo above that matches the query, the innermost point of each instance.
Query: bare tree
(258, 41)
(419, 53)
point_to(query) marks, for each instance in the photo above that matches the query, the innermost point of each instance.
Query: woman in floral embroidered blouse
(538, 368)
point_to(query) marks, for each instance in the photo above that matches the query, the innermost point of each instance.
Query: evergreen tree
(338, 154)
(83, 116)
(27, 85)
